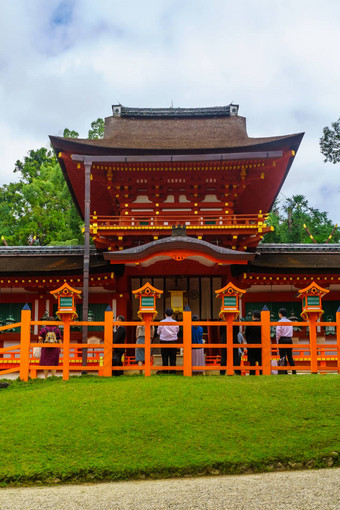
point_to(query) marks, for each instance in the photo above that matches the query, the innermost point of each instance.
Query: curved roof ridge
(179, 243)
(171, 112)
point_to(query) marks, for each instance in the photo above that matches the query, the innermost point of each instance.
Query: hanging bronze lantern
(10, 320)
(293, 318)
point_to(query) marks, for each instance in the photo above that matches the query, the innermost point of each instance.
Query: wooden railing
(168, 219)
(310, 357)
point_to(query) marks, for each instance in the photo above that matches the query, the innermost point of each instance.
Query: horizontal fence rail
(310, 357)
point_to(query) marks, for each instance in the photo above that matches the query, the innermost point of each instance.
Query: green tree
(30, 167)
(97, 129)
(68, 133)
(274, 220)
(330, 142)
(39, 208)
(295, 221)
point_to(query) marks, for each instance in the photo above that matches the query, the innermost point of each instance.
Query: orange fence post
(323, 362)
(33, 373)
(66, 347)
(313, 345)
(147, 347)
(266, 346)
(25, 342)
(338, 337)
(108, 340)
(187, 348)
(230, 340)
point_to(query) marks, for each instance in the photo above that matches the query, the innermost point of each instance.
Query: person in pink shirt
(284, 335)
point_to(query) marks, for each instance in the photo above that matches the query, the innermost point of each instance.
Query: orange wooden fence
(311, 357)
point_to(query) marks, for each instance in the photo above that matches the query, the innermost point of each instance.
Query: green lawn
(91, 428)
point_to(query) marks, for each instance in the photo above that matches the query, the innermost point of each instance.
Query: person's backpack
(51, 338)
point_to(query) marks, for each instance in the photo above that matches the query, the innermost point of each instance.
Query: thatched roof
(173, 129)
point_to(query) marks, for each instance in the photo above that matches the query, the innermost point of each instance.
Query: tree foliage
(295, 221)
(38, 208)
(330, 142)
(69, 133)
(97, 129)
(30, 167)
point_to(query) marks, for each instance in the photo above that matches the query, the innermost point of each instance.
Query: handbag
(36, 352)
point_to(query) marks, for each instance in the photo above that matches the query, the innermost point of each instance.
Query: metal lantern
(293, 318)
(330, 330)
(45, 316)
(147, 296)
(312, 300)
(230, 296)
(272, 328)
(10, 320)
(66, 296)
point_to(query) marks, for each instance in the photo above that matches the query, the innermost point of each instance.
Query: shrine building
(179, 197)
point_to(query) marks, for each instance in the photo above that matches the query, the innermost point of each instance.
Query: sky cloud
(63, 63)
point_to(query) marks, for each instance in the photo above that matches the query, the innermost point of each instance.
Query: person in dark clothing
(198, 359)
(253, 336)
(118, 338)
(236, 351)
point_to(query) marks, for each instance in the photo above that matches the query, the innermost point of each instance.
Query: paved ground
(299, 490)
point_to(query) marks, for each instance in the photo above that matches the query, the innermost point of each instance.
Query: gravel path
(289, 490)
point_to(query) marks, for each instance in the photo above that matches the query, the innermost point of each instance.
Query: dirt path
(299, 490)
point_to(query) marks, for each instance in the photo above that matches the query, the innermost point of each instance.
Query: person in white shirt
(284, 335)
(167, 335)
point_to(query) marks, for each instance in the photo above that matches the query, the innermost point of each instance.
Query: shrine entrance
(179, 291)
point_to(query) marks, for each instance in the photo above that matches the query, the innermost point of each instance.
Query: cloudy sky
(63, 63)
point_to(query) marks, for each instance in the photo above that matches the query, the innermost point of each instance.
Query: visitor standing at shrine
(284, 334)
(168, 334)
(197, 354)
(253, 336)
(237, 352)
(118, 338)
(50, 355)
